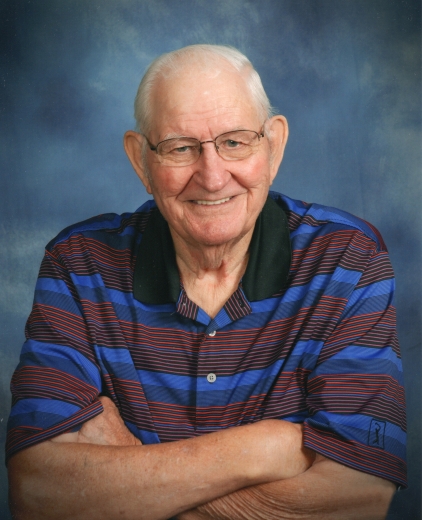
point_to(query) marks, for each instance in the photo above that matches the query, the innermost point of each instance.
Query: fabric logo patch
(376, 433)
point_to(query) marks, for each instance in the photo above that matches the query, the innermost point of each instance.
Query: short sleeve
(355, 393)
(56, 385)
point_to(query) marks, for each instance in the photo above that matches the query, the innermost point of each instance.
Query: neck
(211, 274)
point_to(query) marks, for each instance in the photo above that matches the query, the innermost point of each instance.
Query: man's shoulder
(312, 218)
(107, 227)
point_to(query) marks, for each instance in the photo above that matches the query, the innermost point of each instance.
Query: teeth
(212, 202)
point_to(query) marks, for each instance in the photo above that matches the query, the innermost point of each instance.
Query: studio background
(346, 74)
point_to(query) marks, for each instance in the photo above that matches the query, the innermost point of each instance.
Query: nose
(211, 171)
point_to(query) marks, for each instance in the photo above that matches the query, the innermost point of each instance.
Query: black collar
(156, 278)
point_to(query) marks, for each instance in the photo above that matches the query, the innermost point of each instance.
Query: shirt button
(211, 377)
(212, 334)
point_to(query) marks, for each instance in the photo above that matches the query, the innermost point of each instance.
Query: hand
(107, 428)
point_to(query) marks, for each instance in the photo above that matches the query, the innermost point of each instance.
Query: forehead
(214, 99)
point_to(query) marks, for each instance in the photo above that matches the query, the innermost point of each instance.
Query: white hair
(206, 55)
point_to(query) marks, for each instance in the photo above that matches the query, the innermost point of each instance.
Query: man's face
(213, 201)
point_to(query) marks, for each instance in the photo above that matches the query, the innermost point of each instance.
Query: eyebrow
(173, 135)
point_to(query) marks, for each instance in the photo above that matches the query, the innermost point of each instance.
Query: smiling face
(213, 201)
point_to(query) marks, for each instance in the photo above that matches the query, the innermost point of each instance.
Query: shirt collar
(156, 277)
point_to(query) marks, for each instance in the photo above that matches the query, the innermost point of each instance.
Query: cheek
(255, 175)
(168, 183)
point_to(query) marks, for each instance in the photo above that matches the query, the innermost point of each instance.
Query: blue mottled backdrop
(345, 73)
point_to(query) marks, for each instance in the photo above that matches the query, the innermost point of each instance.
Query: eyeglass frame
(154, 148)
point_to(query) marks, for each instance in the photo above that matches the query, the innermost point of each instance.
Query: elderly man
(223, 352)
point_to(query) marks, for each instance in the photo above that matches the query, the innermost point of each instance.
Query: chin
(214, 231)
(217, 238)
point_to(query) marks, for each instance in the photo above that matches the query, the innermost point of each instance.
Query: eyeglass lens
(234, 145)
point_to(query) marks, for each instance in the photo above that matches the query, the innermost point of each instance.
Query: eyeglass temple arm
(151, 146)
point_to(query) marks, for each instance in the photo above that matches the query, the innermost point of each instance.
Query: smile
(212, 202)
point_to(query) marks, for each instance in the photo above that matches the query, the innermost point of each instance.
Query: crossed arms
(257, 471)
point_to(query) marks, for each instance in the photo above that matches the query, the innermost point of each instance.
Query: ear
(277, 131)
(132, 142)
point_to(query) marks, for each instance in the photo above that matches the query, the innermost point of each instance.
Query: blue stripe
(346, 275)
(93, 281)
(203, 317)
(222, 319)
(368, 306)
(241, 394)
(166, 380)
(308, 347)
(36, 420)
(50, 406)
(68, 359)
(170, 388)
(53, 285)
(368, 355)
(375, 289)
(63, 301)
(310, 291)
(250, 377)
(361, 367)
(305, 233)
(299, 417)
(336, 289)
(304, 355)
(169, 395)
(117, 362)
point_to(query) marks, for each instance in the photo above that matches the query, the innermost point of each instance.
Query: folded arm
(103, 472)
(327, 490)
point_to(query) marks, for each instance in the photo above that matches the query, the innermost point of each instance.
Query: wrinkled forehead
(201, 89)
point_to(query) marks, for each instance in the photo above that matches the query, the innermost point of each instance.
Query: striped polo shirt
(308, 336)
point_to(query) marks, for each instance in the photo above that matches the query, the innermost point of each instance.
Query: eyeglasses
(230, 146)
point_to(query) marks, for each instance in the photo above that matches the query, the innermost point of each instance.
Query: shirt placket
(207, 381)
(211, 394)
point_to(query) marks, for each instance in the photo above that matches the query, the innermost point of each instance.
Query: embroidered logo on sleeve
(376, 433)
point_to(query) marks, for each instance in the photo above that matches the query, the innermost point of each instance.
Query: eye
(231, 143)
(181, 149)
(177, 147)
